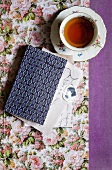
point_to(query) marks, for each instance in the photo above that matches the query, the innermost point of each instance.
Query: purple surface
(101, 96)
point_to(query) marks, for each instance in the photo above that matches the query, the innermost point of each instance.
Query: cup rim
(64, 22)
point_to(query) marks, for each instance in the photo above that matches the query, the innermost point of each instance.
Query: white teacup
(73, 16)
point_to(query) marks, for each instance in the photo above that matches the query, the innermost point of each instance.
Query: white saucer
(85, 54)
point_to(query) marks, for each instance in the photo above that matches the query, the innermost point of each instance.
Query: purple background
(101, 95)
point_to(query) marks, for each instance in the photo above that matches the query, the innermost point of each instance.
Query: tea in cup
(78, 31)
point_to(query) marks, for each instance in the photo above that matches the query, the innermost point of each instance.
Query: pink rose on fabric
(49, 11)
(6, 131)
(16, 127)
(38, 11)
(6, 69)
(86, 132)
(23, 13)
(86, 127)
(51, 139)
(20, 168)
(86, 69)
(36, 163)
(38, 20)
(5, 6)
(22, 156)
(38, 145)
(20, 4)
(85, 66)
(23, 138)
(81, 85)
(76, 126)
(5, 123)
(81, 146)
(86, 3)
(25, 130)
(78, 102)
(2, 167)
(75, 138)
(74, 147)
(58, 162)
(37, 135)
(22, 32)
(7, 147)
(75, 158)
(2, 44)
(36, 39)
(6, 22)
(56, 158)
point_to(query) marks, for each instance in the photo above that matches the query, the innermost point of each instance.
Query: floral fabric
(27, 22)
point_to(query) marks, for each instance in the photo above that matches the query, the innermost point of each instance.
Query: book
(35, 85)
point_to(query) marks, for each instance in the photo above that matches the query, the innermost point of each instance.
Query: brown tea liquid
(79, 32)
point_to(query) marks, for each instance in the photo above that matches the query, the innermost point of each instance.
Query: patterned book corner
(35, 85)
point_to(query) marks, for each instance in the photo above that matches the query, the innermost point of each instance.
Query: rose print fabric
(28, 22)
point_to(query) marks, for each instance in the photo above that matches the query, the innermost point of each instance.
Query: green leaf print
(6, 154)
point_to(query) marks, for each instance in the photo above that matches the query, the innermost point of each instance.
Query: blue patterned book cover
(35, 85)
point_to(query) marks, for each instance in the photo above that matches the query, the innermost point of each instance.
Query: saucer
(78, 55)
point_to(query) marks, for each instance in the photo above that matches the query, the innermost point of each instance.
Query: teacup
(78, 31)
